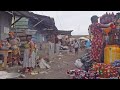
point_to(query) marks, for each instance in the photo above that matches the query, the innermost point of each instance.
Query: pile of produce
(105, 71)
(78, 74)
(82, 74)
(98, 71)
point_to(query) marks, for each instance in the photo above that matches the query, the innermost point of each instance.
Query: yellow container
(111, 53)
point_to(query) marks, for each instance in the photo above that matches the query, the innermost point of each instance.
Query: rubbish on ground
(34, 73)
(51, 61)
(60, 55)
(78, 63)
(6, 75)
(64, 62)
(43, 72)
(64, 48)
(22, 76)
(43, 64)
(59, 58)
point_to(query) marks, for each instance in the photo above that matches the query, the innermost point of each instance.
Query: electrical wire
(58, 19)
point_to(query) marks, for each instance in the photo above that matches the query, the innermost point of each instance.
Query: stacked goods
(107, 18)
(104, 71)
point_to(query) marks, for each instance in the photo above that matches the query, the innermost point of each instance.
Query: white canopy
(83, 38)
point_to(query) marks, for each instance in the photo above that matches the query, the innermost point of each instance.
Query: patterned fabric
(15, 48)
(97, 42)
(29, 62)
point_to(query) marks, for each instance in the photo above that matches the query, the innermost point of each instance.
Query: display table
(5, 54)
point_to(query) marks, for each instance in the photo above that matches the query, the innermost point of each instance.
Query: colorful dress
(15, 48)
(97, 42)
(29, 61)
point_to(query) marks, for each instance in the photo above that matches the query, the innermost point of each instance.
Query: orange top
(11, 33)
(111, 45)
(107, 30)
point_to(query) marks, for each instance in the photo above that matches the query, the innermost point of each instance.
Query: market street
(58, 69)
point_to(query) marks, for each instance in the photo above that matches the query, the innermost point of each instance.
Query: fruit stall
(110, 68)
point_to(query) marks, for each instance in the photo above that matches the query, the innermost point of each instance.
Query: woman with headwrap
(97, 38)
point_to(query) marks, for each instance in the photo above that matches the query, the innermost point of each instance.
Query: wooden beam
(15, 21)
(38, 23)
(9, 12)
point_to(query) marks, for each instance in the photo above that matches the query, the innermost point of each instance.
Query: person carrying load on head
(14, 41)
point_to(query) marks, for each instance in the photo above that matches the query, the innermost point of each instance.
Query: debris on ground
(22, 76)
(43, 72)
(78, 63)
(51, 61)
(43, 64)
(34, 73)
(59, 58)
(60, 55)
(6, 75)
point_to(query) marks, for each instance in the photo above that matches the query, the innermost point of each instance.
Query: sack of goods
(116, 63)
(87, 62)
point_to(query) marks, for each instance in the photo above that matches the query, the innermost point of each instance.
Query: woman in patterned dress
(97, 39)
(29, 55)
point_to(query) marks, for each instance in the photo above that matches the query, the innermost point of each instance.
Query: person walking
(76, 46)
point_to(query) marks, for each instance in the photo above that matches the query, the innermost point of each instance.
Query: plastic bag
(43, 64)
(78, 63)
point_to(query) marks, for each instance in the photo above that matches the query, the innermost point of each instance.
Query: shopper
(76, 46)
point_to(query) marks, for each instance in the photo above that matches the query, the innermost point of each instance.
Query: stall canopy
(83, 38)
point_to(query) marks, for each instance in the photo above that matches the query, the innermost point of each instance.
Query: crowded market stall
(103, 60)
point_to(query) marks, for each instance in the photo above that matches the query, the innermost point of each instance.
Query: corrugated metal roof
(48, 21)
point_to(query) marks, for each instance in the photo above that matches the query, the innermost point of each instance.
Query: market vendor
(97, 39)
(15, 47)
(117, 23)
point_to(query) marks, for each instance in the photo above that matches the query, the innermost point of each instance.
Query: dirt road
(59, 66)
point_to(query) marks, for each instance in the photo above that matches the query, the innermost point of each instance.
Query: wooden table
(5, 54)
